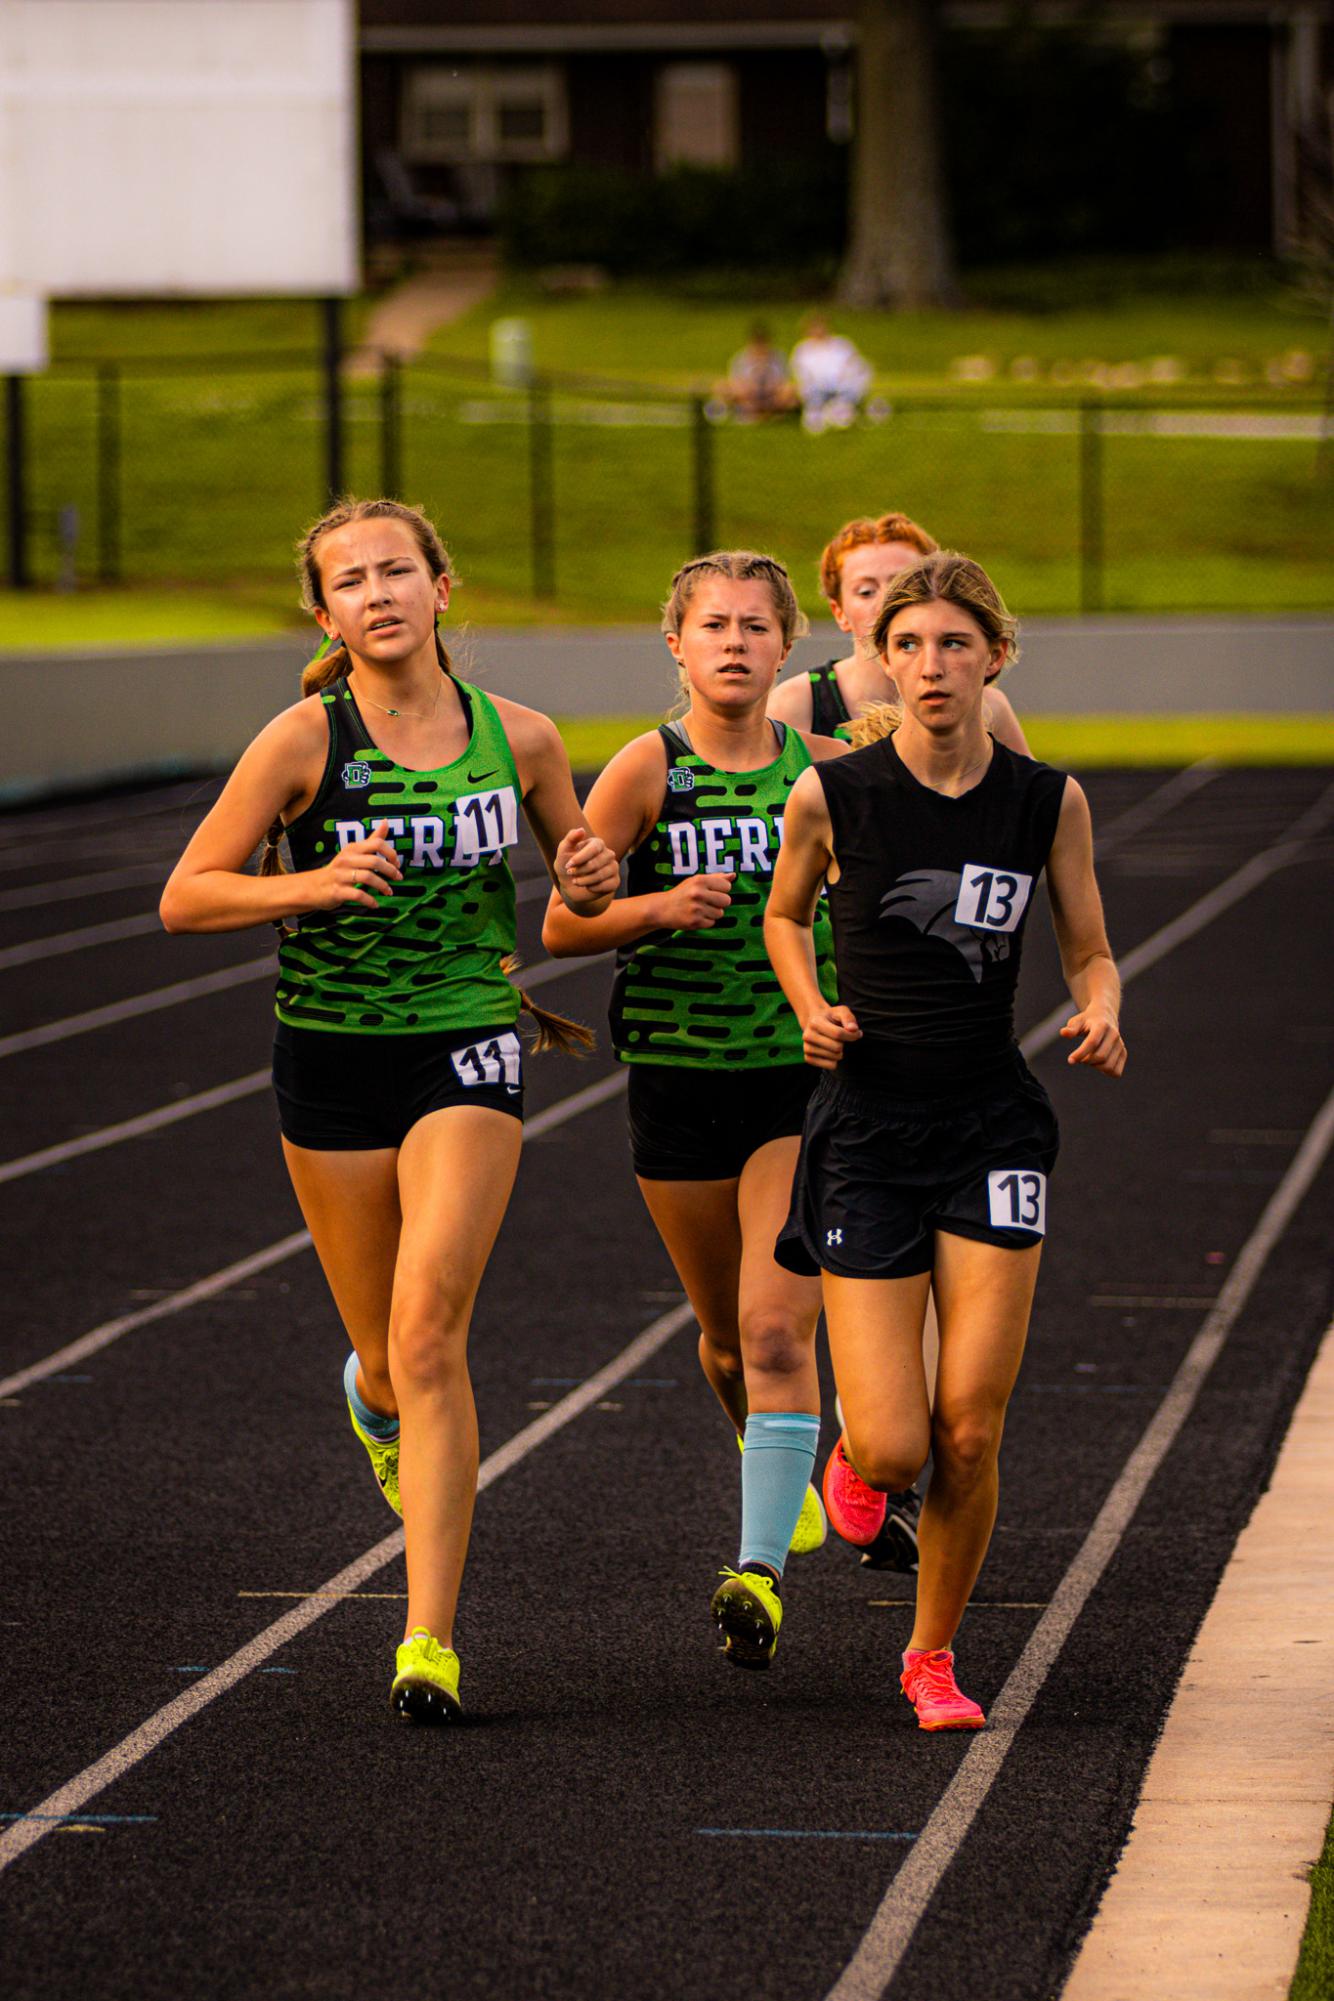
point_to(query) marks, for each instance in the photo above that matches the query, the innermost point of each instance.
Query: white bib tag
(1017, 1200)
(991, 899)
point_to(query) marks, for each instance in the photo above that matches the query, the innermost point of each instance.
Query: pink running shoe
(856, 1510)
(928, 1682)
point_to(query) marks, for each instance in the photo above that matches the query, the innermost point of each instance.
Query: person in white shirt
(832, 376)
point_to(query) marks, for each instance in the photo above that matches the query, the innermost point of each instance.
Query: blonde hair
(878, 720)
(859, 534)
(739, 566)
(952, 579)
(331, 663)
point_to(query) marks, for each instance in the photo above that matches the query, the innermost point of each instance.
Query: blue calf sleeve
(776, 1469)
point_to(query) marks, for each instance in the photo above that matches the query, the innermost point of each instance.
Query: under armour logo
(833, 1236)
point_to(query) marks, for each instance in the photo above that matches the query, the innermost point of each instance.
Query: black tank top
(829, 711)
(929, 912)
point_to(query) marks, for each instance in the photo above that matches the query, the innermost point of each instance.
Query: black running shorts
(690, 1124)
(341, 1093)
(878, 1175)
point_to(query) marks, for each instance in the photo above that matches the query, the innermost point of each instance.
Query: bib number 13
(1017, 1200)
(991, 899)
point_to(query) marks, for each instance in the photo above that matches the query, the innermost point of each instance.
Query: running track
(204, 1792)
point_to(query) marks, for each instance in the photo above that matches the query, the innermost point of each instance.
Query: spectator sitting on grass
(832, 376)
(757, 383)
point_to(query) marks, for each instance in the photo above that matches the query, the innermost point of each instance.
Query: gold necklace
(417, 715)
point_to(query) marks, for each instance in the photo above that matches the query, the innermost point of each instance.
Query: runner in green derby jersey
(396, 1062)
(718, 1087)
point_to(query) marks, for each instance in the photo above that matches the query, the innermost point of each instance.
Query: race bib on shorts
(495, 1061)
(1017, 1200)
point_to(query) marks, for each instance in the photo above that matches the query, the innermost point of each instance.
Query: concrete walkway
(1210, 1897)
(456, 280)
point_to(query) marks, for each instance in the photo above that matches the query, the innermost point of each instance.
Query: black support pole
(16, 485)
(391, 437)
(1090, 508)
(705, 523)
(541, 490)
(108, 473)
(331, 315)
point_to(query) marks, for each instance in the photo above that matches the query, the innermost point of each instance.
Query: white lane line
(159, 997)
(148, 921)
(61, 942)
(891, 1931)
(36, 895)
(223, 1094)
(101, 1337)
(71, 1797)
(161, 1309)
(1181, 785)
(137, 1004)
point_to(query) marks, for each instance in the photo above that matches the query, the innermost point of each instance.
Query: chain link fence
(582, 496)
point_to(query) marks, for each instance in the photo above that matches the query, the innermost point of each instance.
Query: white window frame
(483, 89)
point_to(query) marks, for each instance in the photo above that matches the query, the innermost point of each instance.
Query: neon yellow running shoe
(384, 1458)
(812, 1523)
(747, 1611)
(426, 1686)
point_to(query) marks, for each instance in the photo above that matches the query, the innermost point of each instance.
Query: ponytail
(881, 719)
(554, 1031)
(271, 863)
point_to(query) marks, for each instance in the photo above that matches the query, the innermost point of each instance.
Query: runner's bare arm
(791, 702)
(584, 872)
(277, 776)
(803, 862)
(622, 808)
(1086, 957)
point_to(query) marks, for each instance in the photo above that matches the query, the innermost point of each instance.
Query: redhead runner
(398, 1071)
(856, 569)
(718, 1087)
(928, 1144)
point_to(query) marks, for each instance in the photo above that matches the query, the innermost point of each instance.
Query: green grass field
(219, 468)
(1072, 742)
(1314, 1978)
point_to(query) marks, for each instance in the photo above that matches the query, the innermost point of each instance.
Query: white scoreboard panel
(178, 148)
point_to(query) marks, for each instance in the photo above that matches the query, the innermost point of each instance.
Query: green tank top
(429, 956)
(710, 999)
(829, 711)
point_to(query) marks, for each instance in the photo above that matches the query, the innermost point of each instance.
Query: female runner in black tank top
(927, 1146)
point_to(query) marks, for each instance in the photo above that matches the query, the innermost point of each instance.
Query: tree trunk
(900, 250)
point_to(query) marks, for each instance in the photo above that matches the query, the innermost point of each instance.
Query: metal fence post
(1091, 551)
(541, 490)
(391, 456)
(108, 473)
(702, 466)
(16, 484)
(332, 324)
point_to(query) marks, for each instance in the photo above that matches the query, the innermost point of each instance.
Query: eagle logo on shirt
(927, 897)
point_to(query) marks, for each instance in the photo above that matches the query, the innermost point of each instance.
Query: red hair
(857, 534)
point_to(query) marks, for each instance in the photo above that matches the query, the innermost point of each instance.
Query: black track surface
(294, 1839)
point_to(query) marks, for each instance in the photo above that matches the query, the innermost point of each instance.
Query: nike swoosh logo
(475, 777)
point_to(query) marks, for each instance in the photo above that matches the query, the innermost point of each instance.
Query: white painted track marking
(36, 895)
(221, 1094)
(62, 942)
(891, 1931)
(286, 1247)
(75, 1794)
(137, 1004)
(144, 925)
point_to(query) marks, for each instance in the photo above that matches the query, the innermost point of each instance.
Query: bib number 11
(492, 1062)
(1017, 1200)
